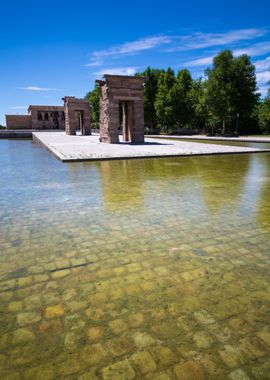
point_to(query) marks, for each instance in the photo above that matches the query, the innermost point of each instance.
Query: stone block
(119, 371)
(189, 371)
(145, 362)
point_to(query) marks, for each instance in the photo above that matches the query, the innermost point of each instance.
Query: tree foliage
(231, 88)
(93, 97)
(264, 114)
(150, 91)
(224, 101)
(200, 109)
(181, 99)
(164, 101)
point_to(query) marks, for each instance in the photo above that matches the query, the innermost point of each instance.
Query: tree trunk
(223, 126)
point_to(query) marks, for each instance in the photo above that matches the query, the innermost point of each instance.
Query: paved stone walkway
(77, 148)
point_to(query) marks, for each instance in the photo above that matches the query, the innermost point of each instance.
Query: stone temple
(121, 107)
(74, 115)
(39, 117)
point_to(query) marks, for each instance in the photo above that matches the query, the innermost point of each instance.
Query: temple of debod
(121, 110)
(121, 127)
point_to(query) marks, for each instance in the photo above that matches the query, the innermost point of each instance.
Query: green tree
(164, 103)
(245, 96)
(231, 88)
(150, 92)
(264, 114)
(181, 99)
(198, 99)
(93, 97)
(219, 87)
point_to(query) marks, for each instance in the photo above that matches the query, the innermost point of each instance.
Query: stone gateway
(77, 111)
(121, 107)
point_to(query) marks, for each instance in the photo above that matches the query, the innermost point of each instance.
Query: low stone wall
(9, 134)
(17, 122)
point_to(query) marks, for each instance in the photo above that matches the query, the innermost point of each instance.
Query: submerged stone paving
(74, 148)
(138, 269)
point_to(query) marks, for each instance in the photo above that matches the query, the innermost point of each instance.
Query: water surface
(249, 144)
(132, 269)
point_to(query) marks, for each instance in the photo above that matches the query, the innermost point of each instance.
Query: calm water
(139, 269)
(259, 145)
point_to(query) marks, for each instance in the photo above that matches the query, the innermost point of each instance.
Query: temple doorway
(125, 120)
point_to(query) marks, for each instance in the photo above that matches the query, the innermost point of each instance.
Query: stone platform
(81, 148)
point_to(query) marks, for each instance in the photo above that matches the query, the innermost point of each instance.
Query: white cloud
(193, 41)
(254, 50)
(263, 90)
(35, 88)
(128, 48)
(19, 107)
(117, 71)
(200, 61)
(94, 62)
(263, 64)
(263, 77)
(203, 40)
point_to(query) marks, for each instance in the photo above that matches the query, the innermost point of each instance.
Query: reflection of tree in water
(217, 181)
(121, 184)
(223, 180)
(126, 182)
(214, 182)
(263, 202)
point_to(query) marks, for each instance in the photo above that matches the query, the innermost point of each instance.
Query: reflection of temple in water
(121, 185)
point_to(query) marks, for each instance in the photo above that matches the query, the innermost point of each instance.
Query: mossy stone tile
(118, 371)
(92, 354)
(189, 371)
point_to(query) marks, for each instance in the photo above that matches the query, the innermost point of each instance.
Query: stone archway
(121, 95)
(77, 113)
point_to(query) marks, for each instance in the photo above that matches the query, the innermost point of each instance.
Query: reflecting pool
(251, 144)
(134, 269)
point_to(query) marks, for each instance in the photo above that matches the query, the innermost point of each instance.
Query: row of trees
(225, 101)
(264, 114)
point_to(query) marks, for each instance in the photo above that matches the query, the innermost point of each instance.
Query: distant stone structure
(77, 111)
(74, 115)
(121, 108)
(47, 117)
(39, 117)
(18, 122)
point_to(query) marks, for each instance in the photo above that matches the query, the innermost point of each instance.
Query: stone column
(86, 123)
(138, 130)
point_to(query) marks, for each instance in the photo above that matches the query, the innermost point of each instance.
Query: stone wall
(18, 122)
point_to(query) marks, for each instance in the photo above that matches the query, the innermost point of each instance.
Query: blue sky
(50, 49)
